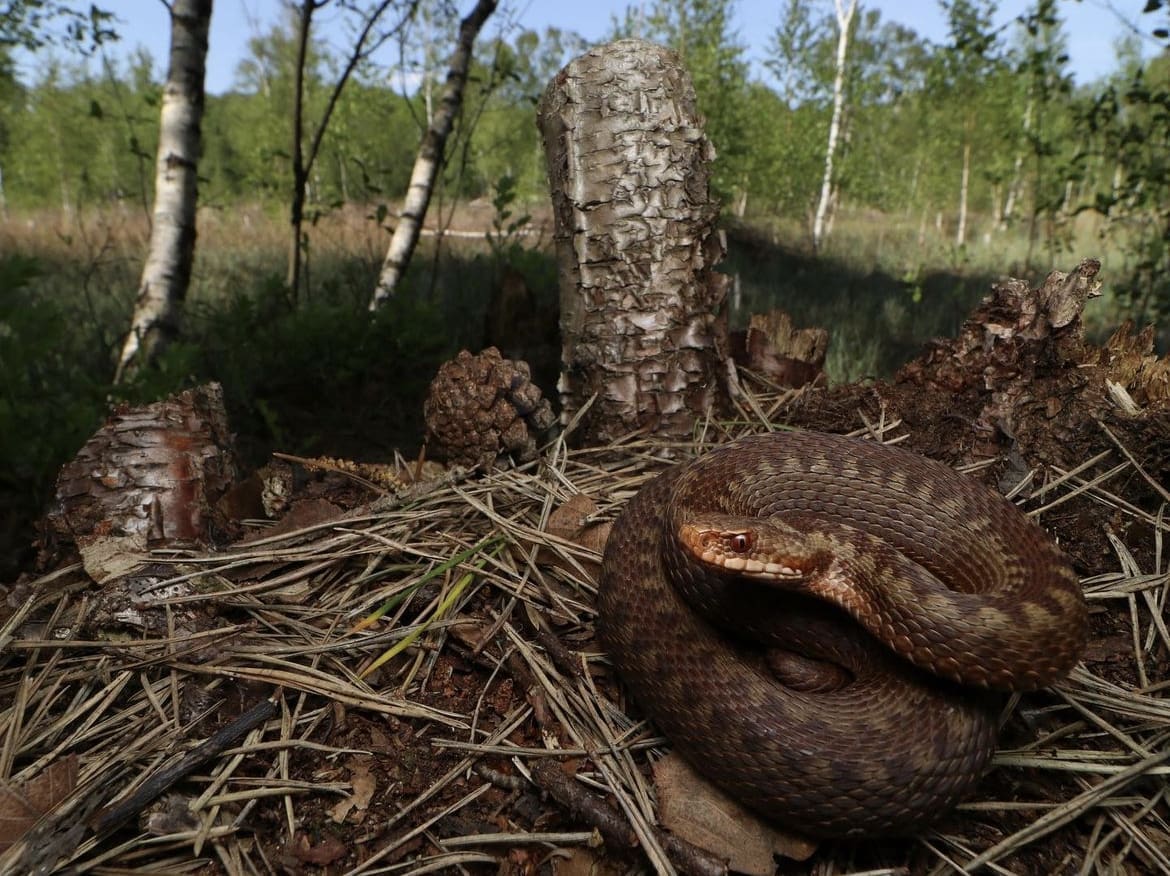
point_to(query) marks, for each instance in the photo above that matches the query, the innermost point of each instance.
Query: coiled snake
(964, 593)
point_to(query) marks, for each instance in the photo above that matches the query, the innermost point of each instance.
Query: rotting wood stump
(151, 473)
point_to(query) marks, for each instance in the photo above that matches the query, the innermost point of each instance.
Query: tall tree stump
(643, 319)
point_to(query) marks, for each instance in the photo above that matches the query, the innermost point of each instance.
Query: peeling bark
(643, 321)
(167, 272)
(153, 473)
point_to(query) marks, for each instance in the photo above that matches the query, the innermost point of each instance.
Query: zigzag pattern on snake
(944, 591)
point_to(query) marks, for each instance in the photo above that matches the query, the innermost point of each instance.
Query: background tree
(881, 164)
(284, 69)
(505, 144)
(961, 73)
(1043, 67)
(878, 145)
(800, 57)
(367, 38)
(430, 154)
(845, 16)
(53, 156)
(1129, 129)
(134, 102)
(167, 272)
(11, 94)
(35, 24)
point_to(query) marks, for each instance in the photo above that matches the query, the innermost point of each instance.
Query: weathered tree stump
(152, 473)
(774, 347)
(643, 322)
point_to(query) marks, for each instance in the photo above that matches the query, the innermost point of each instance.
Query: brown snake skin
(876, 529)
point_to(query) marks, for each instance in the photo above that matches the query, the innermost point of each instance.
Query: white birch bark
(643, 315)
(844, 21)
(1065, 211)
(1017, 182)
(430, 156)
(167, 272)
(964, 188)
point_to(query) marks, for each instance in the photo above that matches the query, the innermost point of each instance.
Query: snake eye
(741, 542)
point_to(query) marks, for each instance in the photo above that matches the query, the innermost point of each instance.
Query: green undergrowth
(877, 315)
(320, 376)
(50, 400)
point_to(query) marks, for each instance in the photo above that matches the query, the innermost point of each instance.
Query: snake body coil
(922, 586)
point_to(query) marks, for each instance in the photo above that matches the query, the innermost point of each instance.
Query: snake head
(754, 548)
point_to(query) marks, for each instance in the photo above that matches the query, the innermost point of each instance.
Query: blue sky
(1091, 25)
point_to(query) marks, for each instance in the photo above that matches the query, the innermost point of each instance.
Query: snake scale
(913, 589)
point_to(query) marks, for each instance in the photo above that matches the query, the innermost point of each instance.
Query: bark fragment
(773, 346)
(152, 472)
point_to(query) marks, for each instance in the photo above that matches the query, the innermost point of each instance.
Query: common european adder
(926, 590)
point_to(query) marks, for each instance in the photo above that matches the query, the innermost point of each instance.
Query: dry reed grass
(350, 231)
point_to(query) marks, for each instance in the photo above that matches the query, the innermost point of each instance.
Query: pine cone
(484, 406)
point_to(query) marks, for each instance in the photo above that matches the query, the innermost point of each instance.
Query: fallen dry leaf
(692, 808)
(324, 853)
(584, 861)
(363, 784)
(304, 514)
(571, 521)
(21, 807)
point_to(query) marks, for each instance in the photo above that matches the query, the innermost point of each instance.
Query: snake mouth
(750, 568)
(736, 550)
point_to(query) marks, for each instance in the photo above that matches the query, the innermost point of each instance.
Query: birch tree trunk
(964, 188)
(430, 156)
(844, 22)
(643, 320)
(304, 161)
(167, 272)
(1017, 181)
(300, 173)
